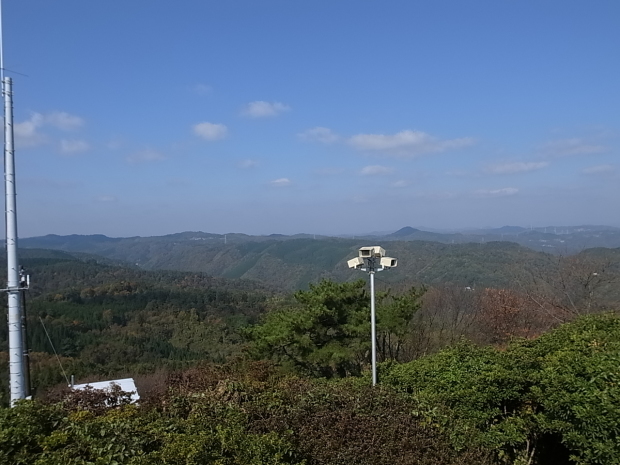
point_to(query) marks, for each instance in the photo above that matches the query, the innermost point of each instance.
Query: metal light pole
(13, 289)
(368, 257)
(15, 286)
(373, 321)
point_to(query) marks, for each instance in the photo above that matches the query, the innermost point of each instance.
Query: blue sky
(148, 117)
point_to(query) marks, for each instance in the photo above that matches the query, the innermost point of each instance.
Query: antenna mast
(14, 285)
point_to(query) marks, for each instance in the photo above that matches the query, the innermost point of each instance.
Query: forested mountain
(104, 318)
(107, 318)
(292, 263)
(561, 240)
(227, 367)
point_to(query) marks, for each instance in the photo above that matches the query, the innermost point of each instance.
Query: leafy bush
(253, 416)
(559, 393)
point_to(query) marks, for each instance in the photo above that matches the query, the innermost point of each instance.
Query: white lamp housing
(389, 262)
(374, 251)
(356, 262)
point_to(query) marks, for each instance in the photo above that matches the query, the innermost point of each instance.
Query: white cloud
(516, 167)
(29, 133)
(400, 183)
(146, 156)
(374, 170)
(210, 131)
(73, 146)
(281, 182)
(506, 191)
(599, 169)
(262, 109)
(406, 143)
(247, 163)
(574, 146)
(63, 121)
(319, 134)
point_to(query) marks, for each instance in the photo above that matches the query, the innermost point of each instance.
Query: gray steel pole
(16, 360)
(373, 330)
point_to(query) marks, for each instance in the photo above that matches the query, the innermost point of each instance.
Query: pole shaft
(373, 329)
(16, 364)
(26, 353)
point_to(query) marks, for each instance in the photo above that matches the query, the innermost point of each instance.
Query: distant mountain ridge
(291, 262)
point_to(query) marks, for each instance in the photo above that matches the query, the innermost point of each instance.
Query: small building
(126, 385)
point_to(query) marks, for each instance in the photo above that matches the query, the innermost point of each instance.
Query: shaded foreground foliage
(247, 417)
(552, 400)
(538, 401)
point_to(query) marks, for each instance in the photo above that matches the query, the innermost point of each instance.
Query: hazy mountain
(293, 263)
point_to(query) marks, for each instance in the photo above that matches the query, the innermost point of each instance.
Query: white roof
(126, 384)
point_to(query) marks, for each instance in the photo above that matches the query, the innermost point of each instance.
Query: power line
(54, 349)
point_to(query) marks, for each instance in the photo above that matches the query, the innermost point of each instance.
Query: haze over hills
(291, 262)
(552, 239)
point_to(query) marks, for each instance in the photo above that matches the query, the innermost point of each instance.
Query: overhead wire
(55, 353)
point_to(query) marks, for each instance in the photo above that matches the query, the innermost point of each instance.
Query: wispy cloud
(247, 164)
(29, 133)
(282, 182)
(375, 170)
(574, 146)
(436, 195)
(515, 167)
(202, 89)
(115, 143)
(319, 134)
(599, 169)
(262, 109)
(63, 121)
(406, 143)
(400, 183)
(73, 146)
(146, 156)
(506, 191)
(210, 131)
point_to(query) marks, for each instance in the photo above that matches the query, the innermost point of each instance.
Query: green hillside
(293, 263)
(105, 319)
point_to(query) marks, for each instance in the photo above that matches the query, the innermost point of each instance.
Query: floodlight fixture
(356, 262)
(373, 251)
(372, 259)
(388, 262)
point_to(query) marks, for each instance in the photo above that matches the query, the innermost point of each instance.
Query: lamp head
(370, 252)
(389, 262)
(356, 263)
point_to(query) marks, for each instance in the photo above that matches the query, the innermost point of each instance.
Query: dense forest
(234, 372)
(104, 318)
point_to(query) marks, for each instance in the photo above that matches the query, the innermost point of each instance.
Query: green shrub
(557, 393)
